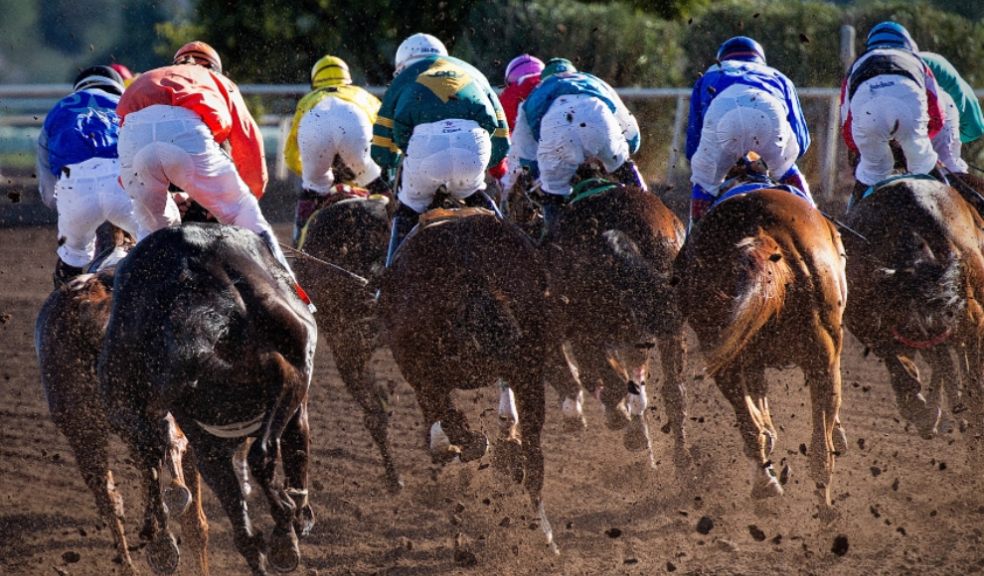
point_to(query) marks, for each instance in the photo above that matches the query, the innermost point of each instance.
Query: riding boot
(380, 186)
(628, 174)
(554, 206)
(857, 193)
(404, 219)
(937, 173)
(64, 273)
(278, 255)
(307, 204)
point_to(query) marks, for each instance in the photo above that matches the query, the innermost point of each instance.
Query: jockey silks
(432, 90)
(81, 126)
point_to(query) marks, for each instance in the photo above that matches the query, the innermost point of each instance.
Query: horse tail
(764, 274)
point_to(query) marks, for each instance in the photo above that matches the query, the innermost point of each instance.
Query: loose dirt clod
(705, 525)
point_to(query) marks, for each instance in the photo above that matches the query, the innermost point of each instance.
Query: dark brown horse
(762, 283)
(458, 314)
(353, 234)
(917, 280)
(610, 261)
(68, 335)
(205, 325)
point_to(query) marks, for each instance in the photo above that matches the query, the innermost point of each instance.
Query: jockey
(442, 115)
(522, 76)
(570, 118)
(334, 120)
(962, 118)
(78, 168)
(187, 125)
(742, 105)
(890, 94)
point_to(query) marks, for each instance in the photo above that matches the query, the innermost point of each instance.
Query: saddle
(751, 174)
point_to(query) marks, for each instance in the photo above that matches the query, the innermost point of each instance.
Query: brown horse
(762, 283)
(205, 325)
(610, 261)
(916, 274)
(351, 233)
(68, 335)
(459, 315)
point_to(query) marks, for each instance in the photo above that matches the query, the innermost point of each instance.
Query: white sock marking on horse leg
(240, 465)
(637, 403)
(547, 529)
(507, 404)
(439, 441)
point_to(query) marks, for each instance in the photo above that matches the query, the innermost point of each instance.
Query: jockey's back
(81, 126)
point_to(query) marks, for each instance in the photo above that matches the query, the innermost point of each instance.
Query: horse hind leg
(177, 497)
(90, 449)
(295, 451)
(758, 440)
(353, 367)
(562, 376)
(908, 395)
(672, 350)
(825, 391)
(532, 413)
(194, 525)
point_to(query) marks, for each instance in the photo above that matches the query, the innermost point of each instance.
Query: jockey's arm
(695, 121)
(384, 151)
(796, 119)
(46, 180)
(292, 153)
(247, 146)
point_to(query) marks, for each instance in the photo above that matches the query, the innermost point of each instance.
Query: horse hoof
(921, 415)
(766, 485)
(394, 484)
(163, 554)
(476, 449)
(284, 555)
(304, 520)
(177, 499)
(635, 439)
(616, 418)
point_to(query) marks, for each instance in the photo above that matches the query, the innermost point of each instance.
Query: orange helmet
(200, 53)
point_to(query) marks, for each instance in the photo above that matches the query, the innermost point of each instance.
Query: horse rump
(752, 295)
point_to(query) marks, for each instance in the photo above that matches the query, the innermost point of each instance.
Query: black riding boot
(628, 174)
(380, 186)
(64, 273)
(553, 208)
(307, 204)
(404, 219)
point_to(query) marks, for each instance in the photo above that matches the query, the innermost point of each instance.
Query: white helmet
(418, 46)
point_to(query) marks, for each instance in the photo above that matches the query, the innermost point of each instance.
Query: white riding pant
(947, 143)
(453, 153)
(87, 196)
(739, 120)
(575, 129)
(335, 127)
(163, 145)
(887, 108)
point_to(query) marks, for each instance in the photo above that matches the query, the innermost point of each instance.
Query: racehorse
(457, 315)
(351, 233)
(610, 262)
(916, 274)
(205, 325)
(68, 335)
(762, 283)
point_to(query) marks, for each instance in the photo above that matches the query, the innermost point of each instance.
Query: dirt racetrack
(907, 506)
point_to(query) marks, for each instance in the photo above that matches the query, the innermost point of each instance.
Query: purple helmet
(522, 66)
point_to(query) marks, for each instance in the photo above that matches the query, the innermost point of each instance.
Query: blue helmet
(741, 48)
(890, 34)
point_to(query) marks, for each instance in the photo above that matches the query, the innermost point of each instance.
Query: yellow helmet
(330, 71)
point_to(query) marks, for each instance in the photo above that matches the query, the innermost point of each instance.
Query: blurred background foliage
(628, 42)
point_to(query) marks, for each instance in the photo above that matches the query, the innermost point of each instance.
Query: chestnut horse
(762, 283)
(917, 280)
(610, 262)
(68, 335)
(457, 314)
(205, 325)
(353, 234)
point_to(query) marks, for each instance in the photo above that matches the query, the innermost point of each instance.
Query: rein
(333, 267)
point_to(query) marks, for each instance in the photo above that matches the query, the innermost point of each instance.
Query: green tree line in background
(628, 42)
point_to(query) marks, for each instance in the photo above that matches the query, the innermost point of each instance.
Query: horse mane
(764, 274)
